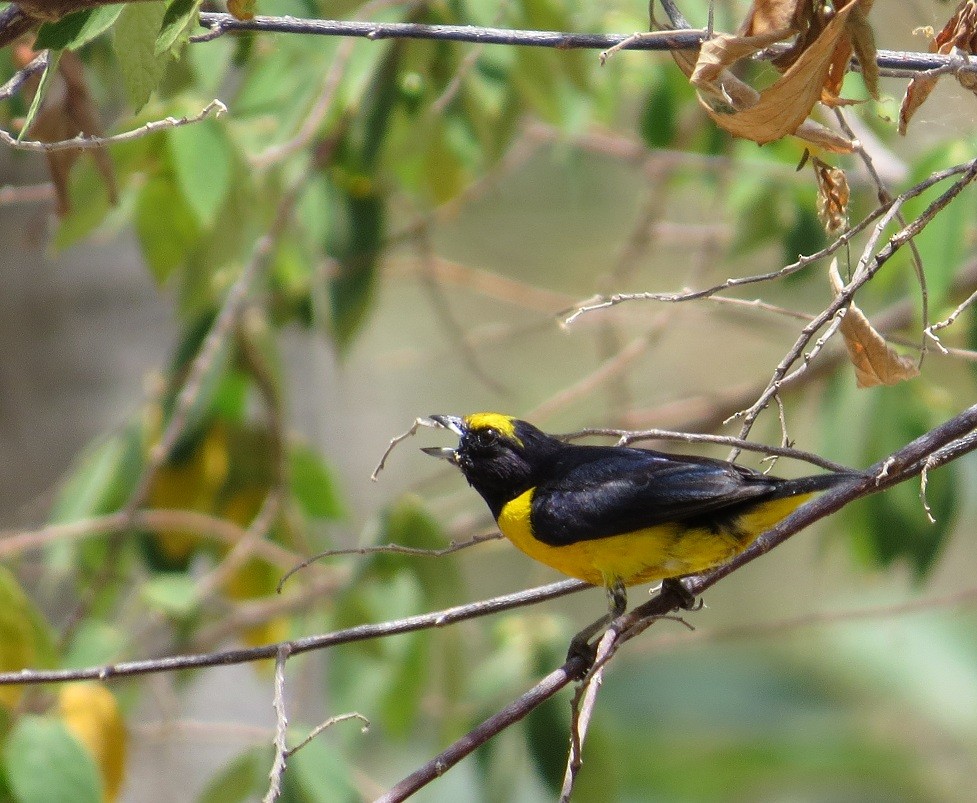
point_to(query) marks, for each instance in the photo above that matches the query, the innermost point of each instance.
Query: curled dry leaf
(782, 108)
(833, 196)
(874, 360)
(960, 33)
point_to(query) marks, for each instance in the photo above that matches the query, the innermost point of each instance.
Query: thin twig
(395, 549)
(626, 437)
(584, 703)
(891, 63)
(408, 624)
(870, 263)
(605, 302)
(84, 142)
(281, 729)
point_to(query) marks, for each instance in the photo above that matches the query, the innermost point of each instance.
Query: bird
(616, 516)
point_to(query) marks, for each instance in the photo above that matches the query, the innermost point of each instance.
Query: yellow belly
(643, 556)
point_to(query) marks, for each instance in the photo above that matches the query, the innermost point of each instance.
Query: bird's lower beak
(444, 452)
(452, 422)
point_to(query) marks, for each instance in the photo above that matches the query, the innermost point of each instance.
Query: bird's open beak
(452, 422)
(444, 452)
(456, 425)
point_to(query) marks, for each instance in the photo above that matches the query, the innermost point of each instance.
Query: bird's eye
(485, 438)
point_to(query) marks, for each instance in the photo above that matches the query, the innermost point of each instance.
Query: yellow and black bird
(616, 516)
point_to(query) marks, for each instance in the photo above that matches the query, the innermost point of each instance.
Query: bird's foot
(685, 599)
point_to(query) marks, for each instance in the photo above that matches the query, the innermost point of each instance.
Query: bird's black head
(500, 456)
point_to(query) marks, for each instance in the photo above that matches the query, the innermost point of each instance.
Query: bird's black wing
(596, 492)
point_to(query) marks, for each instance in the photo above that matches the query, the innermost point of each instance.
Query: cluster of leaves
(353, 140)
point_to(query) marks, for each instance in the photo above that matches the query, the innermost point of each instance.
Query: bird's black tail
(814, 483)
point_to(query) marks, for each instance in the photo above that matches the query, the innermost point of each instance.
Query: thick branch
(893, 63)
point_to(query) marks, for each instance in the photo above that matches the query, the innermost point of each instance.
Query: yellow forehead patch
(505, 425)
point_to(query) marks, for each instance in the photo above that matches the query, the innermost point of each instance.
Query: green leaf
(134, 40)
(94, 643)
(179, 19)
(319, 772)
(758, 219)
(52, 67)
(805, 236)
(75, 30)
(101, 479)
(314, 484)
(89, 204)
(407, 522)
(166, 227)
(175, 594)
(202, 161)
(46, 764)
(893, 526)
(659, 118)
(243, 778)
(355, 243)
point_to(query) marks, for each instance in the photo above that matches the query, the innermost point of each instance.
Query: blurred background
(441, 234)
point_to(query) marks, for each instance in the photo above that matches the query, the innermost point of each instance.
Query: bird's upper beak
(456, 425)
(452, 422)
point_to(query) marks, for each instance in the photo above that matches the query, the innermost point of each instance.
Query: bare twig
(396, 549)
(323, 726)
(418, 423)
(409, 624)
(870, 263)
(604, 302)
(584, 703)
(281, 729)
(90, 142)
(626, 437)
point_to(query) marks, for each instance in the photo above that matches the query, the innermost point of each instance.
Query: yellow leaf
(874, 360)
(24, 642)
(242, 9)
(91, 713)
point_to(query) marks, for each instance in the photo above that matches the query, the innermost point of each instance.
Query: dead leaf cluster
(821, 39)
(959, 35)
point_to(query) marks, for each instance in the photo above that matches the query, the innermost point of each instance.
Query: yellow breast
(643, 556)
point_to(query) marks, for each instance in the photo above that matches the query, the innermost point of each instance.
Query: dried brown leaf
(863, 43)
(67, 111)
(833, 196)
(711, 76)
(823, 137)
(874, 360)
(959, 33)
(781, 108)
(766, 16)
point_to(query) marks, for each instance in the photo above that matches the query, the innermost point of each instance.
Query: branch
(90, 142)
(409, 624)
(891, 63)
